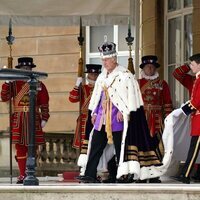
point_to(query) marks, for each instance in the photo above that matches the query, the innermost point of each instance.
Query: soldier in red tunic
(157, 101)
(187, 80)
(20, 116)
(192, 107)
(83, 93)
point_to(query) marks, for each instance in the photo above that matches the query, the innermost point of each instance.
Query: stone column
(195, 26)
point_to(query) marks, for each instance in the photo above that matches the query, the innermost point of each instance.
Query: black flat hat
(25, 61)
(93, 68)
(149, 60)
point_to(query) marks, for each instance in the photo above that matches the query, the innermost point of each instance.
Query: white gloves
(177, 112)
(8, 81)
(79, 81)
(43, 123)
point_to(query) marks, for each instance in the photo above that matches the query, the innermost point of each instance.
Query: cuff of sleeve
(188, 108)
(76, 88)
(186, 67)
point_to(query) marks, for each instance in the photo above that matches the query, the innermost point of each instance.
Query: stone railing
(57, 155)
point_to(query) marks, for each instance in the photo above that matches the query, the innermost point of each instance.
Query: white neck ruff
(91, 82)
(143, 75)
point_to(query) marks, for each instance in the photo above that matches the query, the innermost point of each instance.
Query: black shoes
(130, 180)
(141, 181)
(126, 179)
(182, 179)
(196, 178)
(109, 180)
(155, 180)
(123, 179)
(151, 180)
(20, 179)
(87, 179)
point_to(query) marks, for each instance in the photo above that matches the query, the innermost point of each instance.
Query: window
(174, 5)
(187, 3)
(178, 45)
(117, 34)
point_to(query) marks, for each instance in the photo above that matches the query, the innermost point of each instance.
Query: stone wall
(56, 51)
(152, 30)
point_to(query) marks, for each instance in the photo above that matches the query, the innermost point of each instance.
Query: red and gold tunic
(74, 97)
(157, 103)
(193, 106)
(181, 74)
(192, 84)
(20, 116)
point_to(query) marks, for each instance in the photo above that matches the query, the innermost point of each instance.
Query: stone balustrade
(54, 157)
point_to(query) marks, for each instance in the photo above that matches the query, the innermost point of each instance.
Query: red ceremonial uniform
(194, 105)
(191, 83)
(84, 94)
(19, 92)
(187, 80)
(20, 116)
(157, 102)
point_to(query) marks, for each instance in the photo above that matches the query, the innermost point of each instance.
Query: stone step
(74, 191)
(50, 188)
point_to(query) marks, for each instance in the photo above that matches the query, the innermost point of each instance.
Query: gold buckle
(25, 108)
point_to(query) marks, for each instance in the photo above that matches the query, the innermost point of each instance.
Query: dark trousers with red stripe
(192, 156)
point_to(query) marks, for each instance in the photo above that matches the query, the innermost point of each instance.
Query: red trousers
(21, 156)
